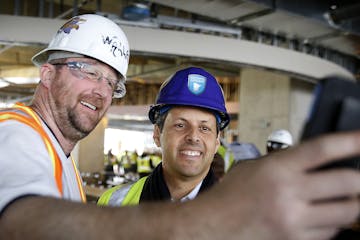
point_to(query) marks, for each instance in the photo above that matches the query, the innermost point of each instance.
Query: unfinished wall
(270, 101)
(91, 150)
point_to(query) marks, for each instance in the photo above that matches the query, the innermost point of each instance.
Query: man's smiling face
(189, 141)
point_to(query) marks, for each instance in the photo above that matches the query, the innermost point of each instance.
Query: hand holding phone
(336, 108)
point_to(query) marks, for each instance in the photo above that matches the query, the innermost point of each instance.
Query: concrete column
(301, 98)
(264, 105)
(270, 101)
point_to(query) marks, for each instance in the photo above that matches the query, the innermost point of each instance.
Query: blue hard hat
(191, 87)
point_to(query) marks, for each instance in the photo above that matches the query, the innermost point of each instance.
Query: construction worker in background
(155, 159)
(129, 164)
(218, 166)
(227, 155)
(243, 150)
(133, 161)
(111, 166)
(125, 162)
(279, 139)
(189, 114)
(144, 166)
(41, 191)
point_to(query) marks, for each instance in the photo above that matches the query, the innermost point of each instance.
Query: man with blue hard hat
(188, 116)
(192, 87)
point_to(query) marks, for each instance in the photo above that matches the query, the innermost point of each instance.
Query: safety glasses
(88, 71)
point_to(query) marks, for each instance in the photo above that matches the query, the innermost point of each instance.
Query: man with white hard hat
(81, 70)
(279, 139)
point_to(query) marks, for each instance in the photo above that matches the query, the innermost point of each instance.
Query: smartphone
(336, 107)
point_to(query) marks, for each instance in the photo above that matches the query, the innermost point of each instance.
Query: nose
(193, 135)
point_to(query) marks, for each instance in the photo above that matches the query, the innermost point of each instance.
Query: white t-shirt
(26, 167)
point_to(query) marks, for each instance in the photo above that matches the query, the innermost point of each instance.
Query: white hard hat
(93, 36)
(281, 136)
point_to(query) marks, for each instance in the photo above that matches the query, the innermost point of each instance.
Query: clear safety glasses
(88, 71)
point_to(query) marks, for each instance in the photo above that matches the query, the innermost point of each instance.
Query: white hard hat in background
(93, 36)
(281, 136)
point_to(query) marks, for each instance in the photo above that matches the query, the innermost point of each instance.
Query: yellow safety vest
(228, 157)
(155, 160)
(130, 197)
(143, 165)
(33, 121)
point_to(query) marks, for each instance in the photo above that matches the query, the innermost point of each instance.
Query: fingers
(335, 214)
(331, 184)
(325, 220)
(322, 150)
(319, 234)
(296, 202)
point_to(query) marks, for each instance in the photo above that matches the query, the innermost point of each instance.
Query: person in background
(243, 150)
(279, 139)
(226, 154)
(189, 114)
(218, 167)
(125, 162)
(133, 162)
(144, 165)
(82, 69)
(155, 157)
(110, 165)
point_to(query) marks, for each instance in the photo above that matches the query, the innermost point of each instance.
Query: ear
(47, 73)
(156, 135)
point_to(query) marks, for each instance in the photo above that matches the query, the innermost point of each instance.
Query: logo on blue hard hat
(196, 83)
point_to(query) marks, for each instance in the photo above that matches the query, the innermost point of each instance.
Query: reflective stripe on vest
(123, 195)
(34, 122)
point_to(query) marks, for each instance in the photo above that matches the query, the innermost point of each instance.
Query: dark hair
(160, 120)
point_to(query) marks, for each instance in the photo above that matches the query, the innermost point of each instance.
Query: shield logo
(196, 83)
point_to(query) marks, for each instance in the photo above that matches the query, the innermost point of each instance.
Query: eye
(179, 125)
(112, 83)
(205, 129)
(91, 73)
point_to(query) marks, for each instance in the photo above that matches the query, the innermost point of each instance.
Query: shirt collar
(191, 195)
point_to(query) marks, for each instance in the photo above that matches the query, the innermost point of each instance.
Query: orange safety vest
(33, 121)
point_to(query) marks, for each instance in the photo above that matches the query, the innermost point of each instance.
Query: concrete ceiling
(300, 25)
(304, 20)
